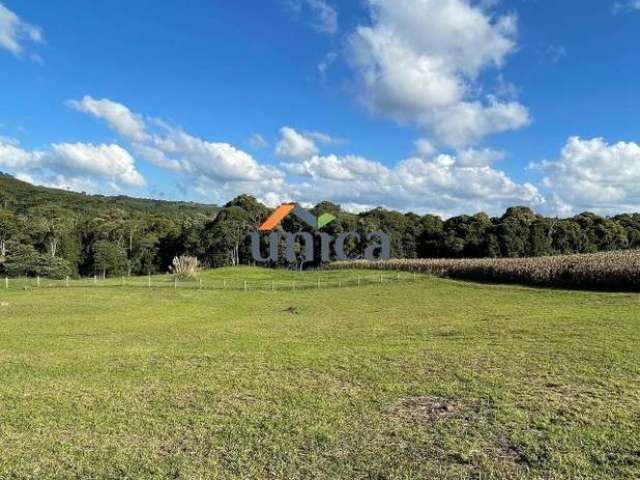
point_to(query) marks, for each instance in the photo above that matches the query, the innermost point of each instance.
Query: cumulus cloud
(216, 160)
(419, 61)
(15, 33)
(467, 123)
(484, 157)
(424, 147)
(117, 116)
(15, 158)
(333, 167)
(325, 17)
(448, 184)
(212, 169)
(593, 175)
(9, 140)
(296, 145)
(75, 164)
(108, 162)
(444, 184)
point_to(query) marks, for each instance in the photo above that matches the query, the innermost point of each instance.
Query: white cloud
(212, 169)
(485, 157)
(424, 147)
(332, 167)
(9, 140)
(117, 116)
(593, 175)
(106, 162)
(324, 138)
(77, 163)
(419, 62)
(295, 145)
(446, 184)
(626, 6)
(258, 142)
(15, 33)
(466, 123)
(15, 158)
(325, 17)
(218, 161)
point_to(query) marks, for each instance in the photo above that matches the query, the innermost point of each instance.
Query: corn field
(618, 271)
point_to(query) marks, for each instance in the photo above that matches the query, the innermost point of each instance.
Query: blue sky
(443, 106)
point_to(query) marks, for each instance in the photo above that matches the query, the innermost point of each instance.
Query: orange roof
(277, 216)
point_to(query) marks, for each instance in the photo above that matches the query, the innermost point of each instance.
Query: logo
(303, 215)
(300, 247)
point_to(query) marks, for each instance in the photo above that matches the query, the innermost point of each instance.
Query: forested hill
(23, 196)
(55, 233)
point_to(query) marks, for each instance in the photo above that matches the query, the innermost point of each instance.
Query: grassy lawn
(405, 380)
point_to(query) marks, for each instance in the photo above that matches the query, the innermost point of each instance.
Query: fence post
(380, 278)
(224, 284)
(398, 276)
(200, 284)
(67, 282)
(149, 280)
(175, 283)
(6, 283)
(95, 279)
(245, 285)
(38, 281)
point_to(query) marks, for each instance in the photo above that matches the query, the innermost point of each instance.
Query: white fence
(305, 282)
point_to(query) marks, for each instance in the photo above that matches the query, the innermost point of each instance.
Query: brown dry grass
(598, 271)
(185, 268)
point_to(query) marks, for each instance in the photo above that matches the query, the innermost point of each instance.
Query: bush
(185, 267)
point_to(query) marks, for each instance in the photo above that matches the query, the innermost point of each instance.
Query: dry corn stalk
(599, 271)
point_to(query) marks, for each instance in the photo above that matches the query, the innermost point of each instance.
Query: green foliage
(109, 258)
(25, 261)
(146, 235)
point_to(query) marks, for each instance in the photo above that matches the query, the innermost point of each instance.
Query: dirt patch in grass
(428, 409)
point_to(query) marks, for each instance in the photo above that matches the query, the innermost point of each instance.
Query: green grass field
(423, 379)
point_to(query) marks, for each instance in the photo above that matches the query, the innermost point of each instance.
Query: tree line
(53, 233)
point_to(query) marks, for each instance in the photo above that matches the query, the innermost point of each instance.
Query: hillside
(24, 196)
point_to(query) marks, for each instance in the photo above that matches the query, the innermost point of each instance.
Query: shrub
(185, 267)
